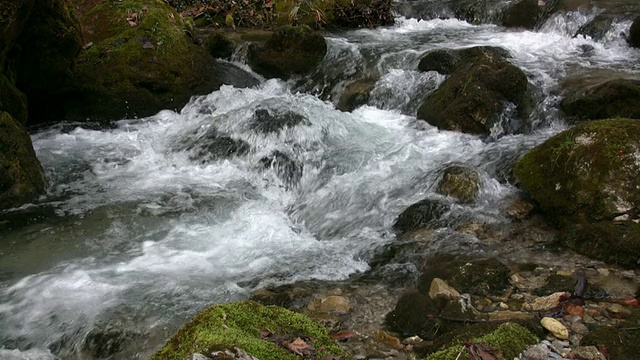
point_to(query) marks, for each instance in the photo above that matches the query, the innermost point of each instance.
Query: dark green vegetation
(239, 325)
(21, 176)
(290, 50)
(474, 96)
(586, 174)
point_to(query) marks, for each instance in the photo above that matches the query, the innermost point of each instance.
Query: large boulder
(49, 45)
(424, 214)
(474, 97)
(522, 14)
(608, 99)
(264, 332)
(290, 50)
(447, 61)
(17, 11)
(634, 33)
(140, 62)
(612, 242)
(585, 174)
(21, 176)
(13, 100)
(460, 182)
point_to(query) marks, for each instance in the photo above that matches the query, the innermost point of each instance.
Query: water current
(137, 234)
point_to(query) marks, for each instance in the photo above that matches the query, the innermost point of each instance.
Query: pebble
(555, 327)
(546, 302)
(503, 306)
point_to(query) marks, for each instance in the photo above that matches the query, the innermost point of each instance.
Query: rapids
(135, 235)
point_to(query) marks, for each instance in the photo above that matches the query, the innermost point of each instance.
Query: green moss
(586, 174)
(219, 46)
(238, 324)
(509, 337)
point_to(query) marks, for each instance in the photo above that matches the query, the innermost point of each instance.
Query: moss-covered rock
(460, 182)
(634, 33)
(447, 61)
(622, 341)
(610, 99)
(21, 175)
(474, 276)
(473, 98)
(239, 325)
(614, 243)
(586, 174)
(355, 94)
(421, 215)
(12, 100)
(219, 46)
(509, 338)
(522, 14)
(142, 62)
(14, 14)
(290, 50)
(49, 45)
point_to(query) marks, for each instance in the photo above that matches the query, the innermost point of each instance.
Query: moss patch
(239, 324)
(510, 338)
(586, 174)
(21, 175)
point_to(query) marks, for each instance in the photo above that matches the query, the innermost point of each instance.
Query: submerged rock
(610, 99)
(597, 28)
(290, 50)
(614, 243)
(287, 169)
(421, 215)
(256, 329)
(586, 174)
(272, 121)
(460, 182)
(476, 277)
(212, 145)
(21, 176)
(473, 98)
(355, 94)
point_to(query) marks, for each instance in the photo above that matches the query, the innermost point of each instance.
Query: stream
(137, 234)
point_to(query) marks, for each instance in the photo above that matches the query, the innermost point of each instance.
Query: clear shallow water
(143, 235)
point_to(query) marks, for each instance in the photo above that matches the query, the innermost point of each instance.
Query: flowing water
(137, 233)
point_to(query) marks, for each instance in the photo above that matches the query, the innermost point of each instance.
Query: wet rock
(271, 121)
(210, 145)
(218, 45)
(290, 50)
(610, 99)
(614, 243)
(586, 174)
(440, 289)
(634, 33)
(423, 214)
(555, 327)
(519, 209)
(459, 182)
(447, 61)
(597, 28)
(288, 170)
(546, 302)
(21, 176)
(622, 341)
(105, 341)
(118, 77)
(330, 304)
(562, 283)
(476, 277)
(473, 98)
(355, 94)
(522, 14)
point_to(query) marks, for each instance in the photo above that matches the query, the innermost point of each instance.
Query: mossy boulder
(21, 176)
(614, 243)
(334, 13)
(609, 99)
(585, 174)
(509, 340)
(473, 98)
(290, 50)
(482, 277)
(355, 94)
(460, 182)
(522, 14)
(13, 100)
(239, 325)
(49, 45)
(218, 45)
(141, 62)
(421, 215)
(622, 341)
(447, 61)
(634, 33)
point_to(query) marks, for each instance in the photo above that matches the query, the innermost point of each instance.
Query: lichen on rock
(239, 325)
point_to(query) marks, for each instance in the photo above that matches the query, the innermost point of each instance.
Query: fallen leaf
(481, 351)
(297, 346)
(265, 334)
(343, 335)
